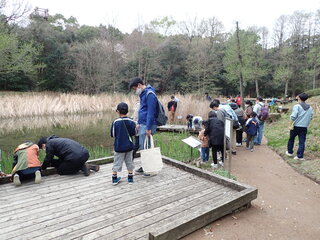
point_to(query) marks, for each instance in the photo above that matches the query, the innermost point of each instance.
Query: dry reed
(48, 103)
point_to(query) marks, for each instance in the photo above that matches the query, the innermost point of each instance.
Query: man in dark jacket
(71, 155)
(172, 107)
(215, 131)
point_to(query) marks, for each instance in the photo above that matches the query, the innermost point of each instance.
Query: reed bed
(17, 105)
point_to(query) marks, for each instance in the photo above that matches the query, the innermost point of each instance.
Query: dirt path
(287, 207)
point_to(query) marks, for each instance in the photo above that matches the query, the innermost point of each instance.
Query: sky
(129, 14)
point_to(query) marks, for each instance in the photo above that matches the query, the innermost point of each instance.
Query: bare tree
(279, 31)
(14, 11)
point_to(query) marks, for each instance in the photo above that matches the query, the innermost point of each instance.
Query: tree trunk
(286, 88)
(314, 77)
(257, 87)
(241, 65)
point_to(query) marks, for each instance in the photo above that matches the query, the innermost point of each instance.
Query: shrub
(313, 92)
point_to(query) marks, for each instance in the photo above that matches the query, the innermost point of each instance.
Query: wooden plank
(198, 219)
(118, 212)
(206, 174)
(89, 194)
(142, 220)
(103, 202)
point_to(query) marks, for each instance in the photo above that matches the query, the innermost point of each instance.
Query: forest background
(54, 53)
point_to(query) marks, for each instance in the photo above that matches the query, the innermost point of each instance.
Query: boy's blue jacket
(148, 108)
(123, 137)
(252, 126)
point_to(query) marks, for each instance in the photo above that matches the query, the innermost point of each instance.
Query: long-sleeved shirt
(148, 107)
(122, 130)
(301, 115)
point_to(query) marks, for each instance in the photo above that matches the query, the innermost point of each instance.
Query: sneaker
(93, 167)
(289, 154)
(130, 180)
(85, 169)
(116, 180)
(37, 179)
(234, 153)
(238, 144)
(139, 171)
(297, 158)
(214, 165)
(16, 180)
(221, 163)
(251, 150)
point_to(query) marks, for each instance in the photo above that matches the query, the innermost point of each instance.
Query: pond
(91, 130)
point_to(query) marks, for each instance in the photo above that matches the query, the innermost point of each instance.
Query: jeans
(142, 134)
(302, 134)
(28, 173)
(258, 138)
(205, 154)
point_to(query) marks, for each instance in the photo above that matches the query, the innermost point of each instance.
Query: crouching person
(26, 164)
(72, 156)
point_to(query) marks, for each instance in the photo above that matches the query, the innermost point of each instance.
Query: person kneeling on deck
(123, 129)
(26, 164)
(72, 156)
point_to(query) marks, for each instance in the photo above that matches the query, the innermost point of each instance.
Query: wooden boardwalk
(179, 200)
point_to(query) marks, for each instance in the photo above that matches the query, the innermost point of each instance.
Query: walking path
(287, 207)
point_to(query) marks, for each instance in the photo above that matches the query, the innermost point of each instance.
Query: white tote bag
(151, 159)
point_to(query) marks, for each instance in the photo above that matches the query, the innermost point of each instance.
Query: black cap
(234, 106)
(122, 107)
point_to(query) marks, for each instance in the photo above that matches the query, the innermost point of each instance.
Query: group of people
(252, 122)
(212, 135)
(130, 134)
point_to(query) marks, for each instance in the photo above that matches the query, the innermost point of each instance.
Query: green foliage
(313, 92)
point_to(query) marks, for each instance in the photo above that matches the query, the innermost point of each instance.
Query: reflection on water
(91, 130)
(64, 121)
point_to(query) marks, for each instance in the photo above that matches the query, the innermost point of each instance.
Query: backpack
(161, 118)
(264, 114)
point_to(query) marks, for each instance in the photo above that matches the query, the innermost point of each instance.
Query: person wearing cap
(72, 156)
(122, 130)
(147, 124)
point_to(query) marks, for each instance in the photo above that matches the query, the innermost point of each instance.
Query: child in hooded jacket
(252, 127)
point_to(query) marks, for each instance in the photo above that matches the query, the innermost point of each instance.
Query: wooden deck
(175, 128)
(179, 200)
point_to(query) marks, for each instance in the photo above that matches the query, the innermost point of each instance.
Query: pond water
(91, 130)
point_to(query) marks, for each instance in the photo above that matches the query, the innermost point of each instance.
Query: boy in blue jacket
(123, 129)
(252, 126)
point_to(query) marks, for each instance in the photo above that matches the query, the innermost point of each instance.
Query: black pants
(215, 150)
(69, 167)
(239, 136)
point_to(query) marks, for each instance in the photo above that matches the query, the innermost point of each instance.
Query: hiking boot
(93, 167)
(139, 171)
(289, 154)
(16, 180)
(115, 181)
(37, 179)
(85, 169)
(297, 158)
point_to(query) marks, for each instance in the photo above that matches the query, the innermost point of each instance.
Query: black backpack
(161, 118)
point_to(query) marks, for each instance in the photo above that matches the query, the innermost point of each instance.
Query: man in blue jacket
(147, 113)
(300, 117)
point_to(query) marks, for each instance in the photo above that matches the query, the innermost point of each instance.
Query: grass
(171, 145)
(277, 134)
